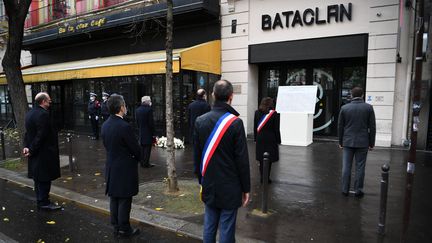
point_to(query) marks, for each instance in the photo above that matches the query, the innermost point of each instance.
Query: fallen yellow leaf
(67, 240)
(97, 174)
(69, 178)
(158, 209)
(6, 219)
(50, 222)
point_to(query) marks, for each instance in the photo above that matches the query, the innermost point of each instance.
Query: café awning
(205, 57)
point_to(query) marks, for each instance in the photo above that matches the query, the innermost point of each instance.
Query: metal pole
(419, 28)
(69, 141)
(3, 143)
(265, 176)
(383, 202)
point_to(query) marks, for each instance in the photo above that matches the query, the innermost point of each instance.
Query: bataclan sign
(309, 16)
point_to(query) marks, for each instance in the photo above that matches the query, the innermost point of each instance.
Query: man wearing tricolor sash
(222, 164)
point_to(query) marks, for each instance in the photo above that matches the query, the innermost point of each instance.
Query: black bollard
(69, 141)
(265, 177)
(3, 143)
(383, 202)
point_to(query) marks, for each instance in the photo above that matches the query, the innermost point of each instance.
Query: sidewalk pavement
(305, 200)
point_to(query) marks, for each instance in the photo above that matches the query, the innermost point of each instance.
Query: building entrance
(334, 79)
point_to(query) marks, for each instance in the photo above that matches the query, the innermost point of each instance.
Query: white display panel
(300, 99)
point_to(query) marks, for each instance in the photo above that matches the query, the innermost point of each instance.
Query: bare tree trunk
(16, 12)
(172, 174)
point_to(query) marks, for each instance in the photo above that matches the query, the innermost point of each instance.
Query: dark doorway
(334, 79)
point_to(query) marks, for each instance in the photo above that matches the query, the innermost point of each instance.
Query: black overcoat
(123, 154)
(144, 120)
(42, 140)
(268, 139)
(227, 176)
(195, 109)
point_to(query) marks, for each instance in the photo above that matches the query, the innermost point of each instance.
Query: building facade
(83, 46)
(334, 45)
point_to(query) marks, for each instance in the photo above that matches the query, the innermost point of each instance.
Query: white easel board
(296, 104)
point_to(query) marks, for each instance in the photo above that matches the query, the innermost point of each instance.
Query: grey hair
(146, 100)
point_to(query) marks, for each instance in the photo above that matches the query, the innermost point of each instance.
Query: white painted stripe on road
(5, 239)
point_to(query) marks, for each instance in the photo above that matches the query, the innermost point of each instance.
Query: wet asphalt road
(21, 222)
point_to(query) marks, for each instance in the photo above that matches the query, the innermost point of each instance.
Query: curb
(138, 213)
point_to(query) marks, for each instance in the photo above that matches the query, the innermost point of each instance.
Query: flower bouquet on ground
(161, 142)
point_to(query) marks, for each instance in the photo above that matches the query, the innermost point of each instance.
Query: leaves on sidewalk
(51, 222)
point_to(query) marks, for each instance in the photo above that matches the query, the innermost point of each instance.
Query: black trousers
(42, 189)
(95, 126)
(120, 213)
(261, 168)
(146, 151)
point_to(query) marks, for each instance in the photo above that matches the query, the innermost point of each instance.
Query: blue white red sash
(264, 120)
(215, 137)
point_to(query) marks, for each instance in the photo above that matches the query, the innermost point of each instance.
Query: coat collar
(222, 106)
(357, 100)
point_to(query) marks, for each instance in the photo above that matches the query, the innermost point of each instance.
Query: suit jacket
(42, 140)
(144, 120)
(269, 138)
(123, 154)
(227, 175)
(196, 109)
(356, 125)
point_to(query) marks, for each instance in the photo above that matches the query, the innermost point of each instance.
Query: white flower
(162, 143)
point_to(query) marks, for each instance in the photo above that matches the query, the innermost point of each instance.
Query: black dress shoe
(359, 194)
(128, 234)
(50, 207)
(148, 166)
(346, 194)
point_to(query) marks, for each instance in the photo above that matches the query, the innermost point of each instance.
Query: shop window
(58, 9)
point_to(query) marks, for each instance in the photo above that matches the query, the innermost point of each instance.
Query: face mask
(104, 98)
(92, 98)
(125, 111)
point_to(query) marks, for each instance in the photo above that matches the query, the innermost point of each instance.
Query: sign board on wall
(284, 20)
(296, 99)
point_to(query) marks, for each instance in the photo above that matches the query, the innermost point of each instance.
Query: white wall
(385, 84)
(26, 58)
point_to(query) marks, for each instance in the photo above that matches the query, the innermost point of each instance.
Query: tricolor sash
(264, 120)
(215, 137)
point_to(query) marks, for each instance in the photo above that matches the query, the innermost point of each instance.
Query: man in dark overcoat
(144, 120)
(93, 109)
(197, 108)
(41, 148)
(356, 128)
(104, 107)
(121, 169)
(226, 182)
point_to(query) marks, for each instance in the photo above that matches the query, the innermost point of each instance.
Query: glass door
(334, 79)
(324, 117)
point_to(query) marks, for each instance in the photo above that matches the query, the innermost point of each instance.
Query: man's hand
(340, 146)
(245, 200)
(89, 117)
(96, 118)
(26, 152)
(371, 147)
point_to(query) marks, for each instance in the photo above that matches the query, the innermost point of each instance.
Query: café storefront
(132, 76)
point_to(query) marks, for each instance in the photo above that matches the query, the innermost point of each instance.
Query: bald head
(223, 90)
(201, 93)
(40, 97)
(43, 100)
